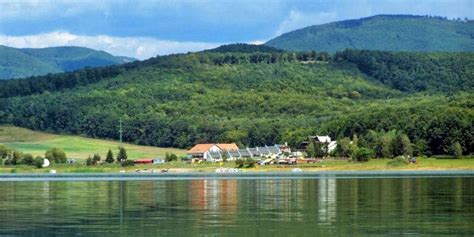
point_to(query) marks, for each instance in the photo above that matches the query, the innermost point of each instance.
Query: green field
(426, 164)
(36, 143)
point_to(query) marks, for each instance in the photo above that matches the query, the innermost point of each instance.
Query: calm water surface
(307, 207)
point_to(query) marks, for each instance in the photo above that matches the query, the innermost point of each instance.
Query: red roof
(201, 148)
(228, 146)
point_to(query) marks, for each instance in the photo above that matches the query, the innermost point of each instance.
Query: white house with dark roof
(325, 140)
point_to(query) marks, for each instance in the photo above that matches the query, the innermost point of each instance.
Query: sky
(144, 29)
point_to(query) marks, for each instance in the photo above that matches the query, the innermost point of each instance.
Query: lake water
(420, 206)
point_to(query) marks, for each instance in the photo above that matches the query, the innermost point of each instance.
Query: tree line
(180, 100)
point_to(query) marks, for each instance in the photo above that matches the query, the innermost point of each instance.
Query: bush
(456, 150)
(363, 154)
(26, 159)
(89, 161)
(343, 148)
(250, 163)
(128, 163)
(170, 157)
(38, 162)
(96, 159)
(56, 154)
(14, 157)
(3, 151)
(239, 163)
(397, 161)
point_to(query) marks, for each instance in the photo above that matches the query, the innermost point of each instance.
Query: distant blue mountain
(19, 63)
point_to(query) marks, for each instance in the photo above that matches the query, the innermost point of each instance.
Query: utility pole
(120, 130)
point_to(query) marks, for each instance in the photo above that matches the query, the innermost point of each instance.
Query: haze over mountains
(382, 32)
(18, 63)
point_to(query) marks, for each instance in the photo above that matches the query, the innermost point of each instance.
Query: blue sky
(143, 29)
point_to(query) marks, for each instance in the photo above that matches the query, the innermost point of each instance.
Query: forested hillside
(383, 32)
(18, 63)
(254, 99)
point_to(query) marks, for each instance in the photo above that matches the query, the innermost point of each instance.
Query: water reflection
(328, 206)
(327, 201)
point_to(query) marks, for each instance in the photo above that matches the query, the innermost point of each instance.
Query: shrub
(96, 159)
(56, 154)
(239, 163)
(170, 157)
(456, 150)
(363, 154)
(26, 159)
(397, 161)
(15, 157)
(250, 163)
(3, 151)
(8, 161)
(38, 162)
(89, 161)
(128, 163)
(343, 148)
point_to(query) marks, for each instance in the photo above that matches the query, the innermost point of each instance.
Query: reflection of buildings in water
(216, 199)
(45, 195)
(284, 199)
(327, 201)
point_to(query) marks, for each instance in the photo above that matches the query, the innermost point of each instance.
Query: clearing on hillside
(36, 143)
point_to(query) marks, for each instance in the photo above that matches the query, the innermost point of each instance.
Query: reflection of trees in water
(279, 199)
(206, 207)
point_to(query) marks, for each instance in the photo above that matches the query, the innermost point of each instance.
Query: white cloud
(258, 42)
(137, 47)
(298, 19)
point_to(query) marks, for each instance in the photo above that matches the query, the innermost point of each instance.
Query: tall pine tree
(122, 155)
(110, 157)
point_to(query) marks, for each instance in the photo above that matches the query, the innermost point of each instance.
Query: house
(324, 140)
(217, 152)
(284, 148)
(211, 151)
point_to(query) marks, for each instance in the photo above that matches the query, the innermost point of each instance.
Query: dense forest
(383, 32)
(257, 98)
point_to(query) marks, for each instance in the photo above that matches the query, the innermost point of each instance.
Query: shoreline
(240, 175)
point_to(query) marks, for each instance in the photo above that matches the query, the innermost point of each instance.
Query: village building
(219, 152)
(210, 152)
(324, 140)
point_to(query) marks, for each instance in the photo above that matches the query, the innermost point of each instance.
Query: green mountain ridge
(256, 98)
(19, 63)
(382, 32)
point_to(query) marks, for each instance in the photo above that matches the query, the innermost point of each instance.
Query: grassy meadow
(327, 165)
(36, 143)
